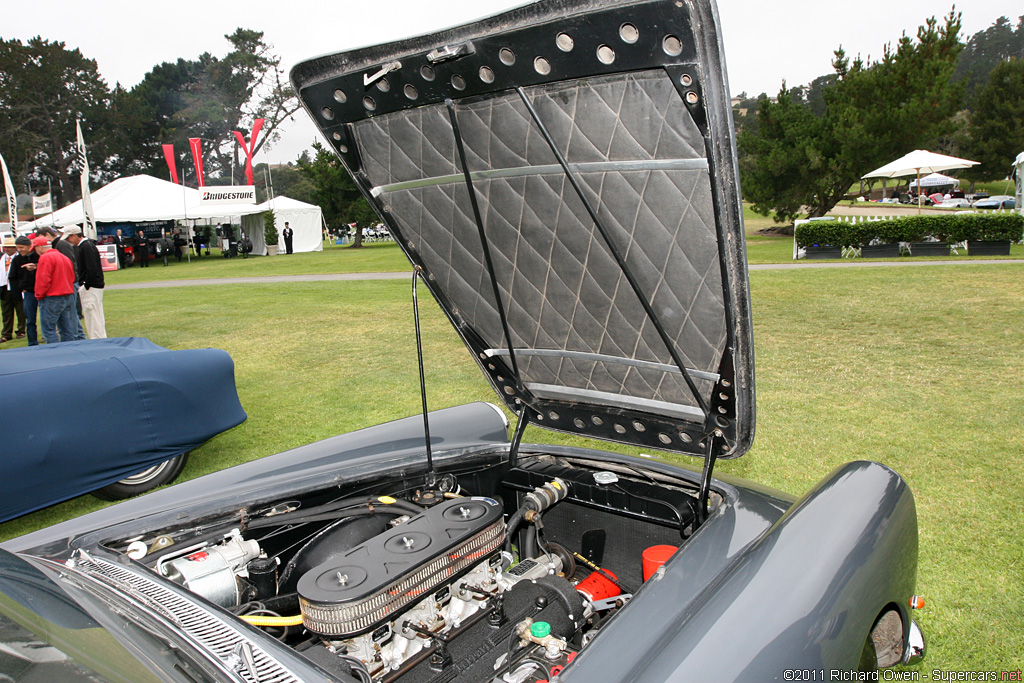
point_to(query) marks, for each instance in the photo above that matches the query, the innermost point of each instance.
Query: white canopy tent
(305, 221)
(1018, 170)
(141, 198)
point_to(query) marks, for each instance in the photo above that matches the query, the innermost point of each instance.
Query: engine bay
(500, 574)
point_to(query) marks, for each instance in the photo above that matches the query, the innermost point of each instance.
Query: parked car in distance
(956, 203)
(999, 201)
(114, 417)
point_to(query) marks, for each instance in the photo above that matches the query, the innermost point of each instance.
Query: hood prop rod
(517, 437)
(704, 494)
(619, 258)
(431, 478)
(520, 389)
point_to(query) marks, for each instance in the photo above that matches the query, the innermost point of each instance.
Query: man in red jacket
(55, 291)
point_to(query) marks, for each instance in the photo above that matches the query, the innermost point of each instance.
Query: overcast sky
(765, 42)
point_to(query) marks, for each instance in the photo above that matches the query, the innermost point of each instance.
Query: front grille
(208, 629)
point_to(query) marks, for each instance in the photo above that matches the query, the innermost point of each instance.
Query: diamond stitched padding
(560, 284)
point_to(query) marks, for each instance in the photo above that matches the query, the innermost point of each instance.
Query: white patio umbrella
(917, 161)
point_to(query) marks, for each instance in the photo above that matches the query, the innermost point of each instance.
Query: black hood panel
(582, 155)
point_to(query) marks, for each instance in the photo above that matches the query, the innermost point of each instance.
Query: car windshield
(54, 630)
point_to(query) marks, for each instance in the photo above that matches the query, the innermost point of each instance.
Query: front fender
(804, 595)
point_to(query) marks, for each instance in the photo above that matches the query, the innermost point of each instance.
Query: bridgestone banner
(42, 205)
(227, 194)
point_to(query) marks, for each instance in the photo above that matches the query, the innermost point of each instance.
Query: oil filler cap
(540, 629)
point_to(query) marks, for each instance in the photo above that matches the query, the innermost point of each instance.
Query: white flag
(89, 227)
(12, 197)
(42, 204)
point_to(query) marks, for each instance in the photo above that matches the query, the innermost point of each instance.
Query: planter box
(823, 252)
(988, 248)
(880, 251)
(271, 250)
(929, 248)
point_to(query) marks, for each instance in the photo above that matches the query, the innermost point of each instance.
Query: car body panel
(575, 201)
(99, 410)
(802, 595)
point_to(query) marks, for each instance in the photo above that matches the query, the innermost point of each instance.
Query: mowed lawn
(917, 368)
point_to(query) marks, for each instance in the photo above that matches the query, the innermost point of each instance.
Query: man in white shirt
(9, 307)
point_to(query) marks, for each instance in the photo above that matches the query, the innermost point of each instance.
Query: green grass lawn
(917, 368)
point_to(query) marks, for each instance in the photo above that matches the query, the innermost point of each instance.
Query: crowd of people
(49, 283)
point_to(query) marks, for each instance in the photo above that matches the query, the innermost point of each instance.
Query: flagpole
(49, 190)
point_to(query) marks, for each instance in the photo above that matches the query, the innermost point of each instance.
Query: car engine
(429, 596)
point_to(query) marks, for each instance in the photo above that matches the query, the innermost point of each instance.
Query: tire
(146, 480)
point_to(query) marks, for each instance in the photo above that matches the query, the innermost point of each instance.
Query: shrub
(956, 227)
(270, 229)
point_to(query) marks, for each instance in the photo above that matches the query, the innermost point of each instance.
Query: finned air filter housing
(374, 581)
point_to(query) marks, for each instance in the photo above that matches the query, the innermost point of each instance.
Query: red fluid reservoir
(597, 586)
(655, 556)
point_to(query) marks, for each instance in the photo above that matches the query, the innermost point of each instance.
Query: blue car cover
(78, 416)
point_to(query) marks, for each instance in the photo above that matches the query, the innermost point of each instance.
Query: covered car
(563, 179)
(111, 416)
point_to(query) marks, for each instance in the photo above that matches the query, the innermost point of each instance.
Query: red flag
(169, 156)
(197, 156)
(256, 125)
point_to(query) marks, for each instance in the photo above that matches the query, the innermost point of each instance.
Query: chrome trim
(211, 633)
(548, 169)
(604, 358)
(558, 393)
(916, 647)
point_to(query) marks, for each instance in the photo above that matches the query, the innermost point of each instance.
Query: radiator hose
(537, 500)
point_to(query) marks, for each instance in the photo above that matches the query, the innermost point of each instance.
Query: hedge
(954, 227)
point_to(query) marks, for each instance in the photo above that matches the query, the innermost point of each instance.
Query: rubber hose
(261, 620)
(510, 528)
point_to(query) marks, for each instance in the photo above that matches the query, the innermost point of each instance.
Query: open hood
(565, 176)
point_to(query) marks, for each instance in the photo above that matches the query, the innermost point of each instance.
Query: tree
(44, 88)
(873, 112)
(207, 98)
(995, 132)
(336, 193)
(986, 49)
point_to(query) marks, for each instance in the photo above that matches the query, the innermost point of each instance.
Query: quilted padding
(642, 163)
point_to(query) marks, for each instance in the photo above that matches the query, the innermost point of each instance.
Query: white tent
(304, 219)
(936, 180)
(1018, 168)
(137, 199)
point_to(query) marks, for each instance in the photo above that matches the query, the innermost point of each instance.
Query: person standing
(142, 250)
(71, 251)
(287, 234)
(55, 291)
(119, 245)
(90, 283)
(9, 308)
(23, 281)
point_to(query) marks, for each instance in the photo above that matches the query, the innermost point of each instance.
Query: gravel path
(271, 279)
